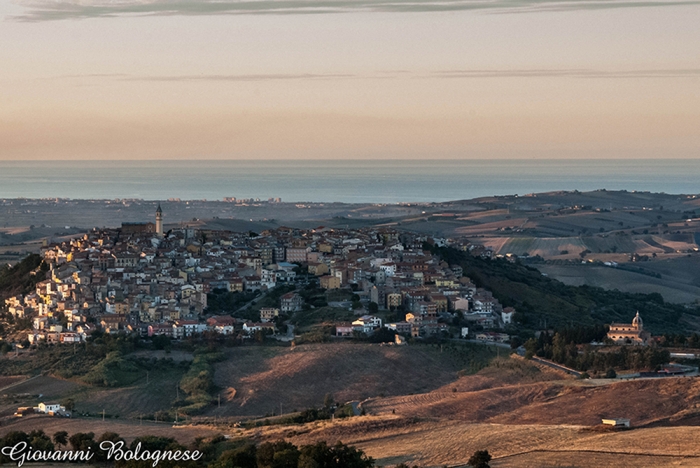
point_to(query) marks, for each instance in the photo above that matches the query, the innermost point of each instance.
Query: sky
(349, 79)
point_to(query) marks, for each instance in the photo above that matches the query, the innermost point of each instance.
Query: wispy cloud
(403, 74)
(252, 77)
(46, 10)
(573, 73)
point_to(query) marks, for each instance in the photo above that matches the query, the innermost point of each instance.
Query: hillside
(670, 401)
(538, 298)
(22, 277)
(299, 378)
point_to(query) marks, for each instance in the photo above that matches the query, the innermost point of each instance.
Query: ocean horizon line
(359, 160)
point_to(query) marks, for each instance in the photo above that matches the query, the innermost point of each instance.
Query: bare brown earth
(129, 429)
(524, 415)
(300, 378)
(6, 381)
(535, 423)
(645, 402)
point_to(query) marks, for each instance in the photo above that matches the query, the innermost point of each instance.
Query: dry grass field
(654, 402)
(393, 439)
(526, 416)
(299, 378)
(125, 402)
(135, 400)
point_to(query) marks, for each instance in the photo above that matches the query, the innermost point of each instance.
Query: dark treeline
(217, 452)
(19, 279)
(679, 340)
(540, 299)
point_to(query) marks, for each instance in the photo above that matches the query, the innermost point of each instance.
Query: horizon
(359, 160)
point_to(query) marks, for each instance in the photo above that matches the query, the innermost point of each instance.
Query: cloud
(572, 73)
(251, 77)
(403, 74)
(46, 10)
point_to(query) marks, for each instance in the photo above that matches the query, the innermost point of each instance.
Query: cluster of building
(141, 279)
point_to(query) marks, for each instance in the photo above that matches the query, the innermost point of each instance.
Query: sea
(350, 181)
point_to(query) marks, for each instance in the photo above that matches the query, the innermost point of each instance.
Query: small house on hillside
(616, 422)
(52, 409)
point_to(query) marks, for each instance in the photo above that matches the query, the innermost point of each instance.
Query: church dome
(637, 321)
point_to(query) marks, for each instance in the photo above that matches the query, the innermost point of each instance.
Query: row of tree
(217, 452)
(559, 350)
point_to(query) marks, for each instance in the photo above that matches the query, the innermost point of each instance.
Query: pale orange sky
(133, 81)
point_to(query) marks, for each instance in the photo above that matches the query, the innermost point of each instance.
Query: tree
(83, 441)
(321, 455)
(373, 307)
(278, 454)
(480, 459)
(328, 400)
(243, 456)
(60, 438)
(69, 404)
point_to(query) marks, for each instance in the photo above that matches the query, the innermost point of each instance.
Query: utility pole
(103, 415)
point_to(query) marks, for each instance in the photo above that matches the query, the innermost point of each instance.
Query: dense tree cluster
(22, 277)
(286, 455)
(558, 349)
(541, 300)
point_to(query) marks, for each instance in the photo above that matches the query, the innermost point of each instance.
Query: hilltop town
(139, 279)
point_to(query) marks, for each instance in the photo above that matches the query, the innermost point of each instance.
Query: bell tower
(159, 221)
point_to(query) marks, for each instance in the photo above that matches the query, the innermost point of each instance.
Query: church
(629, 333)
(146, 228)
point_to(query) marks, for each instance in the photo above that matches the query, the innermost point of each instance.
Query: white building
(367, 323)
